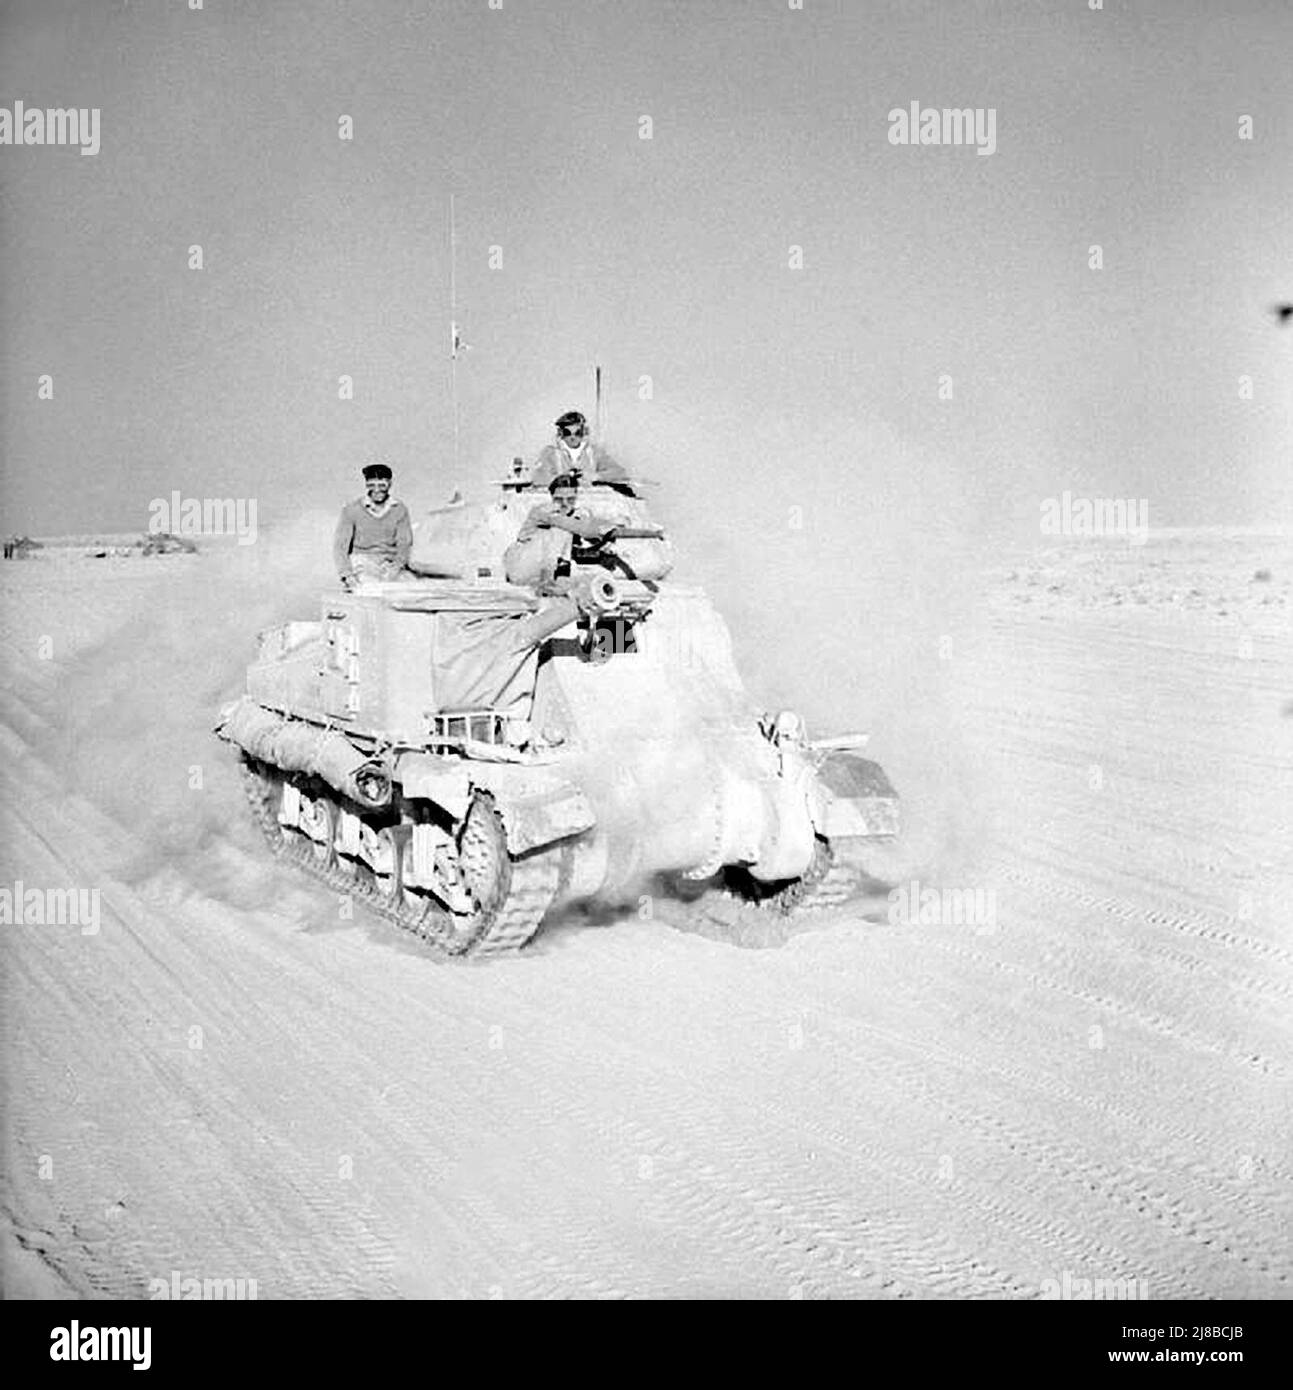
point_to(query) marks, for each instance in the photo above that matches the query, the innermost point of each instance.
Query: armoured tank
(525, 722)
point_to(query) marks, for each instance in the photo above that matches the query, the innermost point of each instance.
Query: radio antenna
(455, 342)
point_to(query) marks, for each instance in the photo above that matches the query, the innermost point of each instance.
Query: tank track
(739, 911)
(531, 887)
(827, 883)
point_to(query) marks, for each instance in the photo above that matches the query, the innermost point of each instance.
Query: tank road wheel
(319, 816)
(389, 848)
(345, 865)
(511, 893)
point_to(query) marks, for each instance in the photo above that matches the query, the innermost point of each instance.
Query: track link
(828, 882)
(528, 890)
(837, 888)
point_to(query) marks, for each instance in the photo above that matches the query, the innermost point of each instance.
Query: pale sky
(665, 258)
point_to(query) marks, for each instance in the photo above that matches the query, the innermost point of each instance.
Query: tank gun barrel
(637, 533)
(595, 529)
(584, 527)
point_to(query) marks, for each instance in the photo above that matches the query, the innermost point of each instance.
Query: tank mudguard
(435, 779)
(853, 798)
(538, 805)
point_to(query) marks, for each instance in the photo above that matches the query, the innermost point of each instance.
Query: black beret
(376, 470)
(571, 417)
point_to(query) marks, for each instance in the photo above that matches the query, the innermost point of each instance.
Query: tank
(525, 723)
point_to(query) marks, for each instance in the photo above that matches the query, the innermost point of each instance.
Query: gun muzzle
(596, 594)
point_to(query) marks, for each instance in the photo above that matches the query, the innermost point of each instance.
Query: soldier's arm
(586, 527)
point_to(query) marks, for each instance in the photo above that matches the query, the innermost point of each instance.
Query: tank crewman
(540, 554)
(573, 452)
(374, 535)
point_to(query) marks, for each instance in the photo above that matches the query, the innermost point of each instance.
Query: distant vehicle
(466, 754)
(165, 543)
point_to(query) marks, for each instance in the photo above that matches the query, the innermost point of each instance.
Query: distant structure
(102, 547)
(150, 543)
(167, 543)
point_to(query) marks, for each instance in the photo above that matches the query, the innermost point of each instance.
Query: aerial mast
(454, 340)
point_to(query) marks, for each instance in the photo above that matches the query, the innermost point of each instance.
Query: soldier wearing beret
(374, 535)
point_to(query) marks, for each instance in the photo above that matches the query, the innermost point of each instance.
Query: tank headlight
(788, 727)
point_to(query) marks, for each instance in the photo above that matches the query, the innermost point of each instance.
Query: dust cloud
(848, 565)
(130, 727)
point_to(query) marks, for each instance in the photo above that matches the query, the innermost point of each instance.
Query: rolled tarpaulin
(297, 746)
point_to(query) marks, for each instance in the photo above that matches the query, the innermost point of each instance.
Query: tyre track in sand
(138, 980)
(1198, 925)
(1160, 1024)
(1054, 1158)
(1048, 1163)
(826, 1233)
(1051, 1162)
(721, 1189)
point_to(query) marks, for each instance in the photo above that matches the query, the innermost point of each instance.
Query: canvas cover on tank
(489, 661)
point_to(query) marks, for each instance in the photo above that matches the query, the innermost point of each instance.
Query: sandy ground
(227, 1081)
